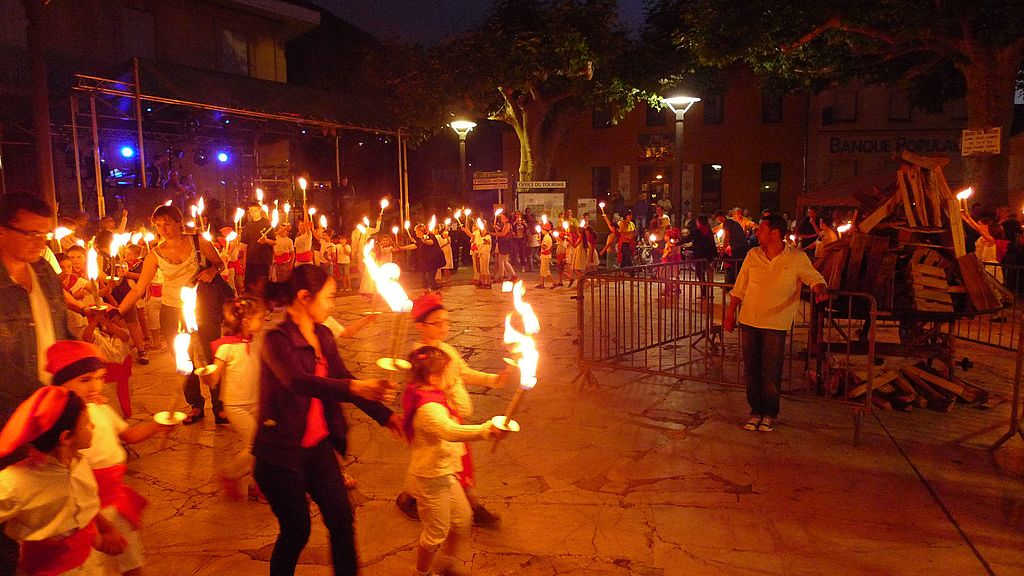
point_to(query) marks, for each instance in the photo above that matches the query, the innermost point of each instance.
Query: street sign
(492, 180)
(984, 141)
(541, 184)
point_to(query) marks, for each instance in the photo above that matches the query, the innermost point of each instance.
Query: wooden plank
(919, 279)
(978, 292)
(922, 293)
(934, 198)
(914, 180)
(931, 258)
(877, 383)
(956, 224)
(881, 213)
(928, 306)
(904, 387)
(934, 380)
(901, 183)
(852, 281)
(936, 400)
(926, 270)
(930, 162)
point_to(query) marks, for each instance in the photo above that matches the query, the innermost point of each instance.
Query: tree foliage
(938, 49)
(531, 64)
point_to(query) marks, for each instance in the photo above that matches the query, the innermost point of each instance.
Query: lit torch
(525, 347)
(92, 271)
(323, 221)
(385, 277)
(963, 195)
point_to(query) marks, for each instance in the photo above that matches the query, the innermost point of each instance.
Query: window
(771, 182)
(234, 52)
(600, 118)
(601, 181)
(654, 181)
(655, 146)
(710, 187)
(656, 116)
(714, 109)
(899, 106)
(771, 106)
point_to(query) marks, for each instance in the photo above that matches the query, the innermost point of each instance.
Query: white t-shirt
(105, 450)
(42, 498)
(43, 324)
(240, 383)
(282, 245)
(344, 253)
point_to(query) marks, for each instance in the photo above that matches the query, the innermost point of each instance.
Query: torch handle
(509, 411)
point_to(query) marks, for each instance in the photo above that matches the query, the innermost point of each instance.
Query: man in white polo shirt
(768, 285)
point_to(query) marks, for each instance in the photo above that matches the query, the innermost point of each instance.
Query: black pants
(430, 277)
(626, 254)
(286, 489)
(8, 554)
(256, 275)
(169, 321)
(763, 352)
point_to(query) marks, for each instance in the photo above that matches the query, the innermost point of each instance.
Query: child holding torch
(437, 436)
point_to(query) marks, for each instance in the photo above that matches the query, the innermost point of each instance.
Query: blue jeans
(763, 352)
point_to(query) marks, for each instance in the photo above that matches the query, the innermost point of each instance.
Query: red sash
(114, 492)
(120, 374)
(285, 258)
(304, 257)
(237, 266)
(56, 556)
(412, 399)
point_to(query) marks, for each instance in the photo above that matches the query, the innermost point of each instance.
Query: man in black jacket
(736, 241)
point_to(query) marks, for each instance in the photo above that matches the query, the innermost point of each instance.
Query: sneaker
(407, 504)
(767, 425)
(142, 358)
(484, 517)
(752, 423)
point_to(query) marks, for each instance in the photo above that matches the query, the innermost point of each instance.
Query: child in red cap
(49, 500)
(79, 367)
(431, 318)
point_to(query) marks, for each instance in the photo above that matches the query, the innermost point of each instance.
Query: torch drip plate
(393, 364)
(499, 422)
(167, 418)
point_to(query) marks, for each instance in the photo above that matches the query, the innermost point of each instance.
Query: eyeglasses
(30, 233)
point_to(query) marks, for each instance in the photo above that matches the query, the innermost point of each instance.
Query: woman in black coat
(301, 428)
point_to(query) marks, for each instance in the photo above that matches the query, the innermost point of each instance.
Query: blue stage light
(127, 151)
(223, 157)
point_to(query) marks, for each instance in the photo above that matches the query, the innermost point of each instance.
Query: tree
(939, 49)
(532, 64)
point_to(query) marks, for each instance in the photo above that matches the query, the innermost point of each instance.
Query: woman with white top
(178, 258)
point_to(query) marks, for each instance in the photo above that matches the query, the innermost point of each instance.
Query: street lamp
(462, 128)
(680, 105)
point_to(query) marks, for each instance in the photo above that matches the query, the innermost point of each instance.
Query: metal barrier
(999, 329)
(666, 320)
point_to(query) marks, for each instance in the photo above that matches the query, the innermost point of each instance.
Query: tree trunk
(990, 75)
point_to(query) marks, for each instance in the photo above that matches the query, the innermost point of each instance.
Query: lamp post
(680, 105)
(462, 128)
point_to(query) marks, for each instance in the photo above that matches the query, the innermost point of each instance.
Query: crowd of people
(81, 304)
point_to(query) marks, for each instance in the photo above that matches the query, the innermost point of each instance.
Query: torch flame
(480, 223)
(544, 219)
(720, 234)
(182, 361)
(287, 208)
(844, 228)
(523, 343)
(384, 203)
(207, 236)
(303, 183)
(498, 212)
(601, 205)
(238, 215)
(447, 221)
(61, 232)
(168, 202)
(136, 237)
(312, 212)
(433, 223)
(583, 223)
(965, 193)
(366, 222)
(265, 208)
(148, 237)
(468, 211)
(188, 308)
(394, 229)
(386, 278)
(92, 267)
(458, 214)
(200, 206)
(361, 228)
(275, 219)
(406, 224)
(323, 221)
(231, 237)
(259, 195)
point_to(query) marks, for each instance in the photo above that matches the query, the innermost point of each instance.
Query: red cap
(33, 418)
(68, 359)
(424, 305)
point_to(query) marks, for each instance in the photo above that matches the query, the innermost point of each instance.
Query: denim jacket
(18, 355)
(287, 383)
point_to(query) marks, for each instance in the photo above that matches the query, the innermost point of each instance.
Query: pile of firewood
(908, 250)
(913, 385)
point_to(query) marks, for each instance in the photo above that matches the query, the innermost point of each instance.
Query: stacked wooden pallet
(908, 251)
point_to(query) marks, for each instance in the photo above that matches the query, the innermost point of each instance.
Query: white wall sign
(984, 141)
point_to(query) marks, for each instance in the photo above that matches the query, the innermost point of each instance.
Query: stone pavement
(641, 475)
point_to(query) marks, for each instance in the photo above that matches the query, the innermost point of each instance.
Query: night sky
(428, 21)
